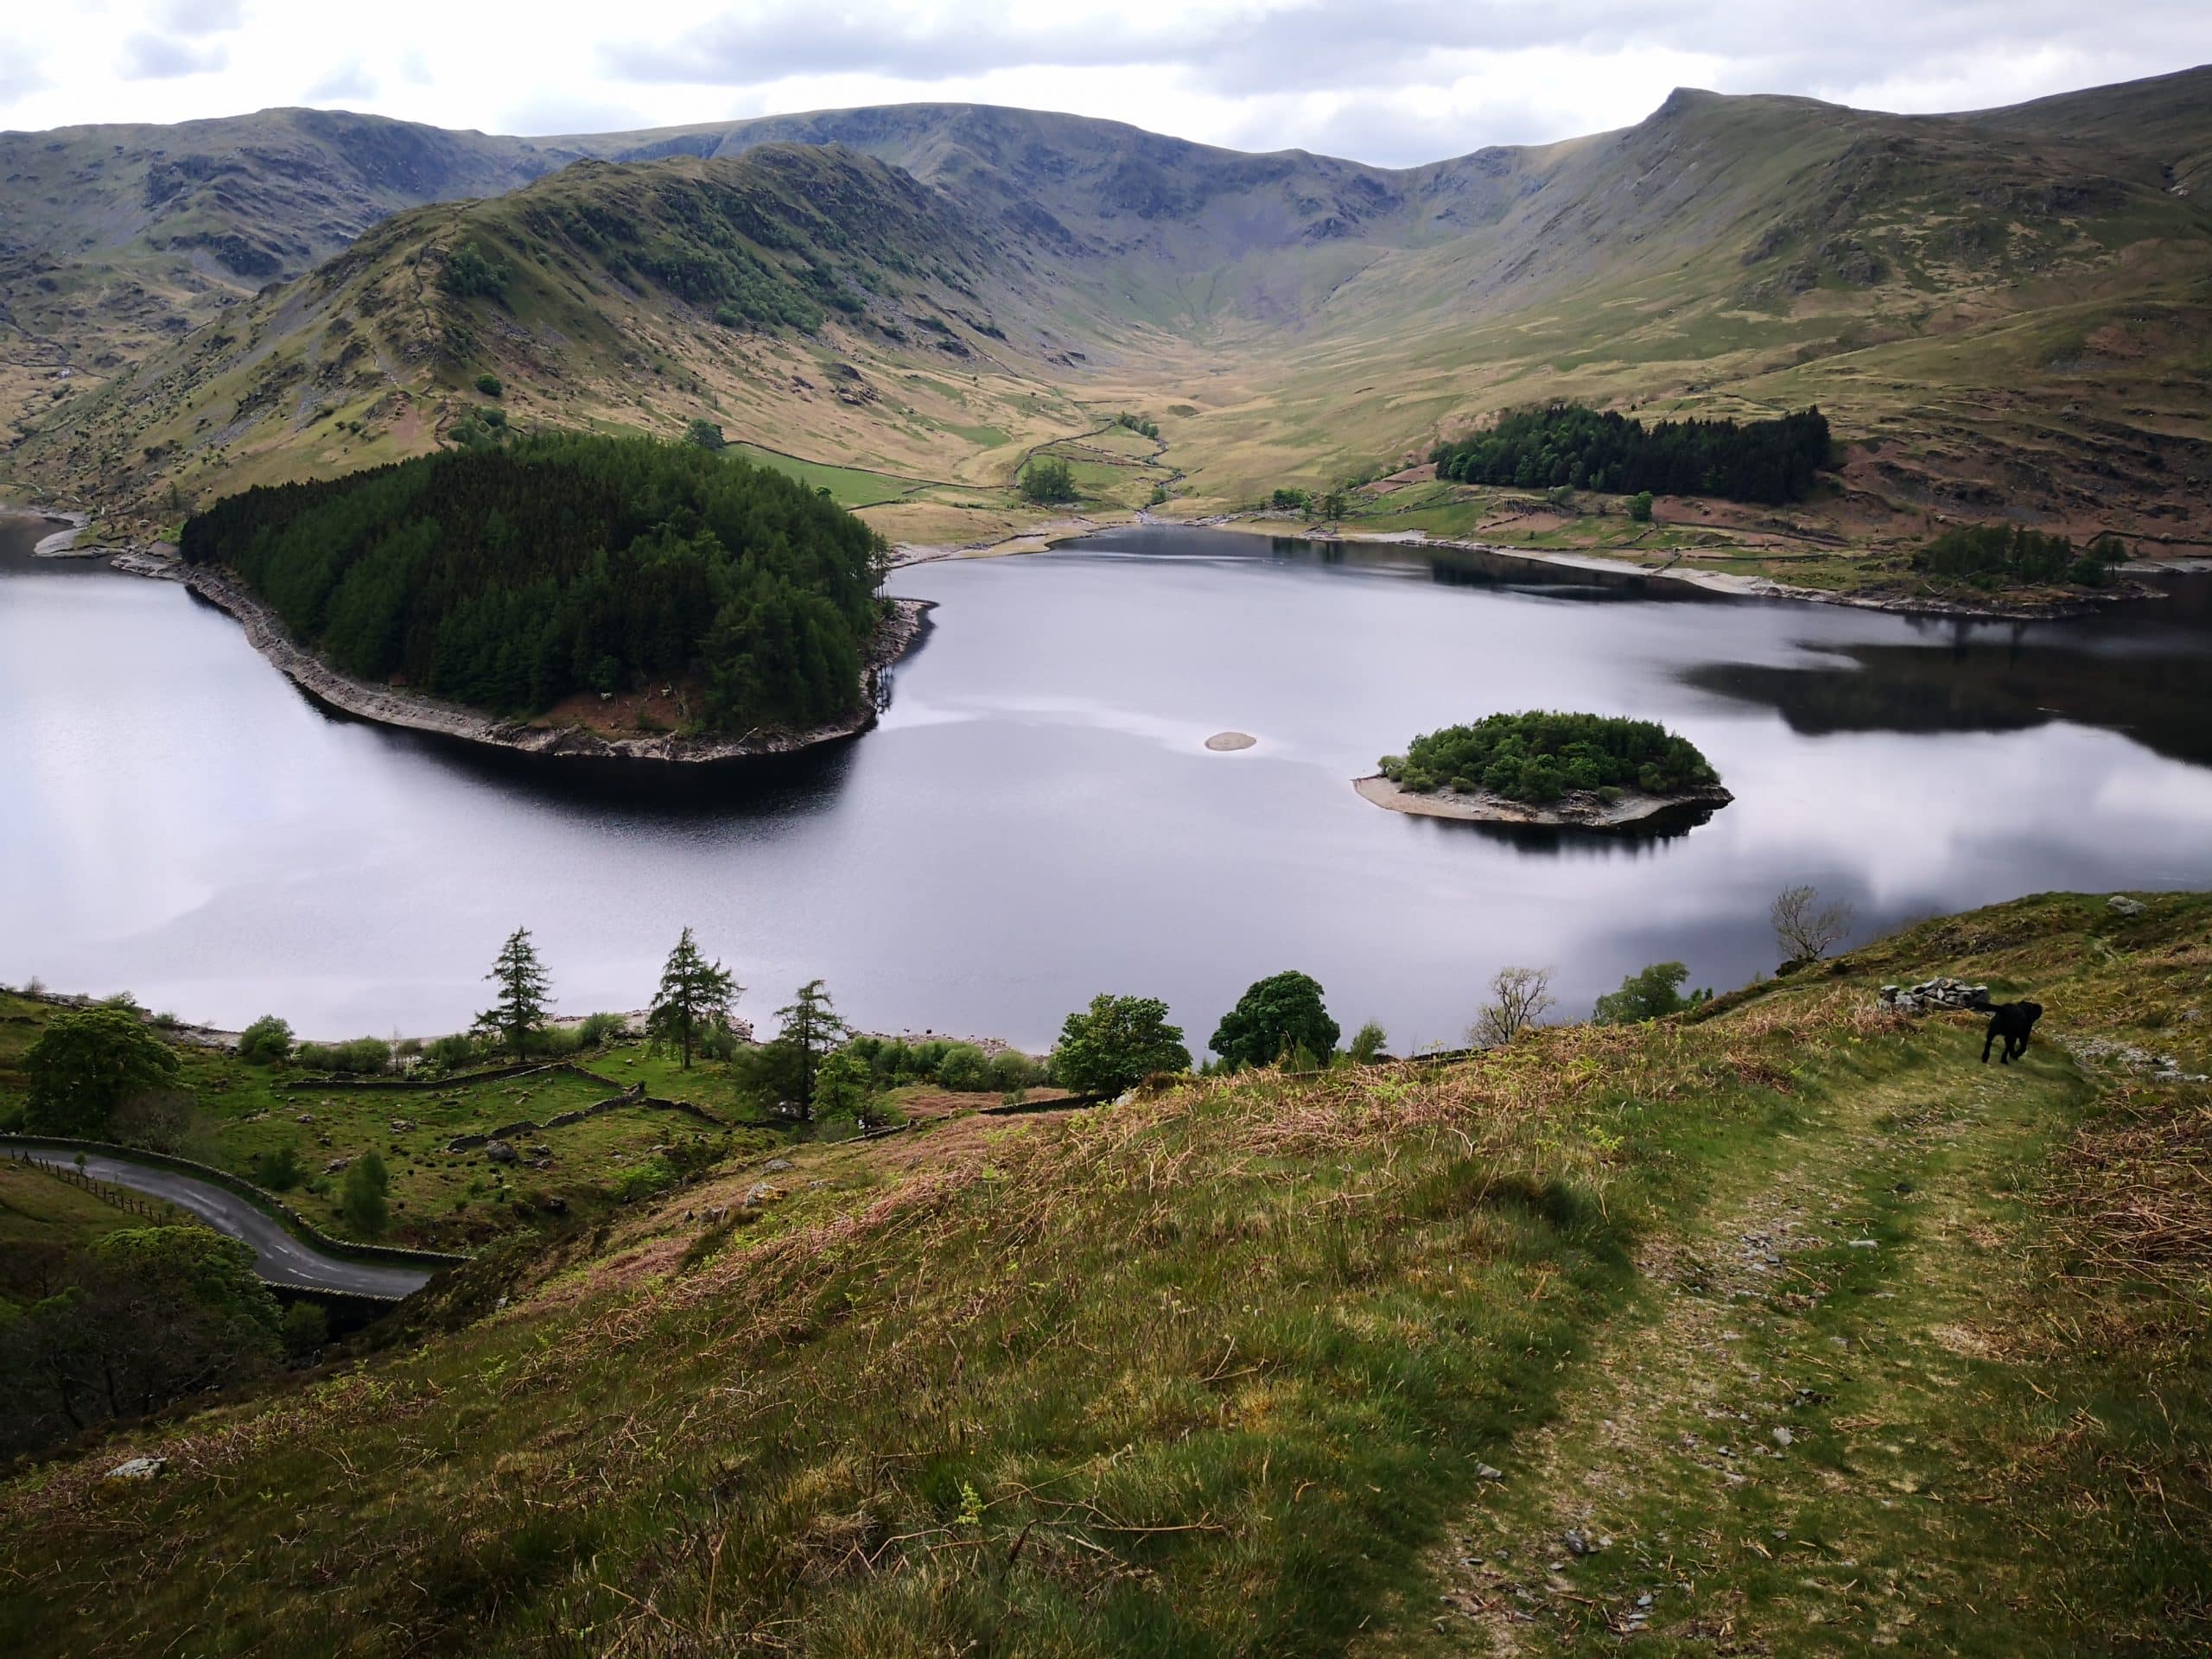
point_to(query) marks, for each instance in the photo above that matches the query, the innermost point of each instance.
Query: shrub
(599, 1029)
(1367, 1043)
(267, 1041)
(363, 1056)
(1639, 506)
(278, 1169)
(489, 385)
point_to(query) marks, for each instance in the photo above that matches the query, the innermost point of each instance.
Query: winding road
(278, 1257)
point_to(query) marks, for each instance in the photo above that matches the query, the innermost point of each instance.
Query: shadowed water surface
(1037, 819)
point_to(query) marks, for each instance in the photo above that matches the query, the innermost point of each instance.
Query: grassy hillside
(116, 241)
(1786, 1329)
(2002, 314)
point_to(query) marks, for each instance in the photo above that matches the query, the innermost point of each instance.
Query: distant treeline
(2012, 555)
(507, 579)
(1772, 461)
(1539, 756)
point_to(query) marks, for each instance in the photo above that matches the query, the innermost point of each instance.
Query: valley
(2002, 314)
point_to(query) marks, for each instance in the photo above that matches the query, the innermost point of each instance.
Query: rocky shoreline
(1576, 809)
(412, 711)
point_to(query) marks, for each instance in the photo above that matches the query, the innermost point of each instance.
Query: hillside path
(1777, 1449)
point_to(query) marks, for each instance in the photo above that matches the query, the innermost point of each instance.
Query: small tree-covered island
(593, 596)
(1594, 770)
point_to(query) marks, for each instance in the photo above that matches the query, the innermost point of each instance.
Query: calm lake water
(1036, 819)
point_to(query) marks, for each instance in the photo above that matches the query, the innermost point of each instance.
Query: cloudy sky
(1391, 81)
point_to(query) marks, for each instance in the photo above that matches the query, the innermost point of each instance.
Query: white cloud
(201, 17)
(347, 82)
(1385, 80)
(147, 56)
(22, 70)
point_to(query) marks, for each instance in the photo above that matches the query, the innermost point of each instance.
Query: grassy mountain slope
(808, 298)
(1280, 1366)
(2002, 312)
(116, 239)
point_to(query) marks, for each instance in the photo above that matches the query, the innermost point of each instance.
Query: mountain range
(2003, 313)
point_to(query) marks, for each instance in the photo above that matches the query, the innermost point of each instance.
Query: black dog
(2012, 1021)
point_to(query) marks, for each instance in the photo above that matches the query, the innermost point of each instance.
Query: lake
(1037, 819)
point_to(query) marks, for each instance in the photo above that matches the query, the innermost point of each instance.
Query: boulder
(1932, 995)
(2121, 905)
(138, 1469)
(499, 1152)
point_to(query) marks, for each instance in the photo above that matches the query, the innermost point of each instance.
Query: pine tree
(809, 1028)
(524, 987)
(694, 999)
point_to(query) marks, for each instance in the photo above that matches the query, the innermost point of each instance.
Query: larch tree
(694, 999)
(524, 989)
(809, 1028)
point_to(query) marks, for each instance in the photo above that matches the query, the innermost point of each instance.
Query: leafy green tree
(1650, 993)
(87, 1063)
(1367, 1043)
(1639, 506)
(1274, 1017)
(844, 1086)
(267, 1041)
(807, 1029)
(145, 1316)
(963, 1069)
(704, 435)
(489, 385)
(519, 1014)
(1048, 481)
(694, 999)
(362, 1200)
(1116, 1044)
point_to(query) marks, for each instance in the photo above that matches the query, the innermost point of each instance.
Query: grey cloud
(201, 17)
(1386, 43)
(156, 57)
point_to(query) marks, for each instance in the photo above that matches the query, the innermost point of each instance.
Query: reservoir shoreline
(413, 711)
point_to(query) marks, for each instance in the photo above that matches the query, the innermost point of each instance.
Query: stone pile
(1930, 994)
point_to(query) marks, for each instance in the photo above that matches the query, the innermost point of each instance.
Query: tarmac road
(278, 1257)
